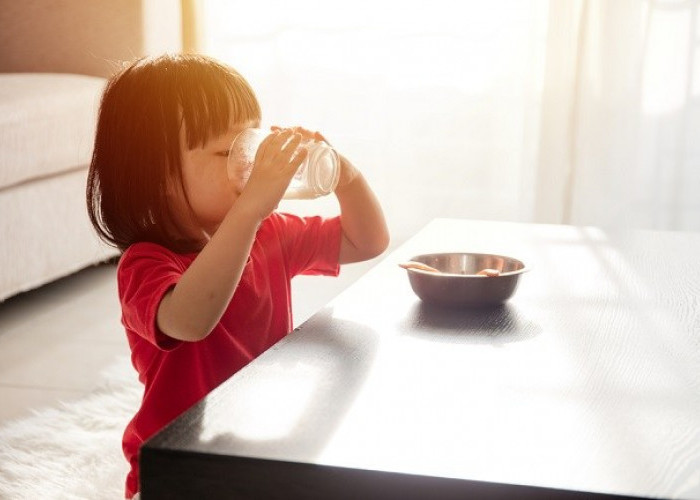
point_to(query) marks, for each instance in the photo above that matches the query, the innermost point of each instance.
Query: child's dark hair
(137, 150)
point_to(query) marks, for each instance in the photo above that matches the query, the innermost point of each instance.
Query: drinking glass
(317, 175)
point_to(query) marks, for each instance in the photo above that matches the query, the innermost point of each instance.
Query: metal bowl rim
(524, 269)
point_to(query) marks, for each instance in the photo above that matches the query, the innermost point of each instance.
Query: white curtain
(581, 112)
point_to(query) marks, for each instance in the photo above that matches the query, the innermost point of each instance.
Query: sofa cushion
(45, 233)
(47, 124)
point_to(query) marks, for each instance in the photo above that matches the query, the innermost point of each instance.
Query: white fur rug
(72, 451)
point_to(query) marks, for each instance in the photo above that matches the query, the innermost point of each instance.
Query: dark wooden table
(585, 384)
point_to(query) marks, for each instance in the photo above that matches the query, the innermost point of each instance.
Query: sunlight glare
(418, 45)
(665, 68)
(272, 408)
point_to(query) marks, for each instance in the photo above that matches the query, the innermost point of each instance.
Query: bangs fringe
(210, 97)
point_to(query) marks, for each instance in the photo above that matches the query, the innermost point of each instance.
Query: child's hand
(306, 135)
(348, 172)
(276, 161)
(365, 234)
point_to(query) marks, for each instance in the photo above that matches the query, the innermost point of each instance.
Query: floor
(54, 340)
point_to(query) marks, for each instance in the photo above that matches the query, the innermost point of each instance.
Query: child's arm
(191, 309)
(365, 234)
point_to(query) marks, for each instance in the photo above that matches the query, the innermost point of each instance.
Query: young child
(204, 276)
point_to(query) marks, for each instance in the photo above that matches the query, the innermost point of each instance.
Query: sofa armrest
(85, 36)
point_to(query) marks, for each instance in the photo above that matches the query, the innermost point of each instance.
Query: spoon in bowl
(412, 264)
(419, 266)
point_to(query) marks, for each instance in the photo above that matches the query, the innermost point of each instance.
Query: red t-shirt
(177, 374)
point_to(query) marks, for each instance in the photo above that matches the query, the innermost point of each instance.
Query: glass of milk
(317, 175)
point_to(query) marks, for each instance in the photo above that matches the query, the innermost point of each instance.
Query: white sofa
(54, 60)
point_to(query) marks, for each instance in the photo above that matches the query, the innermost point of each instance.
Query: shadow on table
(492, 325)
(289, 402)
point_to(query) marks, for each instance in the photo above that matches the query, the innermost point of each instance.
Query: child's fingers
(265, 149)
(292, 155)
(271, 146)
(306, 133)
(278, 148)
(319, 137)
(313, 135)
(291, 146)
(298, 158)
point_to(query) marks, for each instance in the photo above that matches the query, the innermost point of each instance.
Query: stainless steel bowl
(457, 283)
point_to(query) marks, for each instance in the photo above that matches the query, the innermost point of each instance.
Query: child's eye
(223, 153)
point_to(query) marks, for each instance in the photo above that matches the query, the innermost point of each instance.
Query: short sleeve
(312, 244)
(145, 273)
